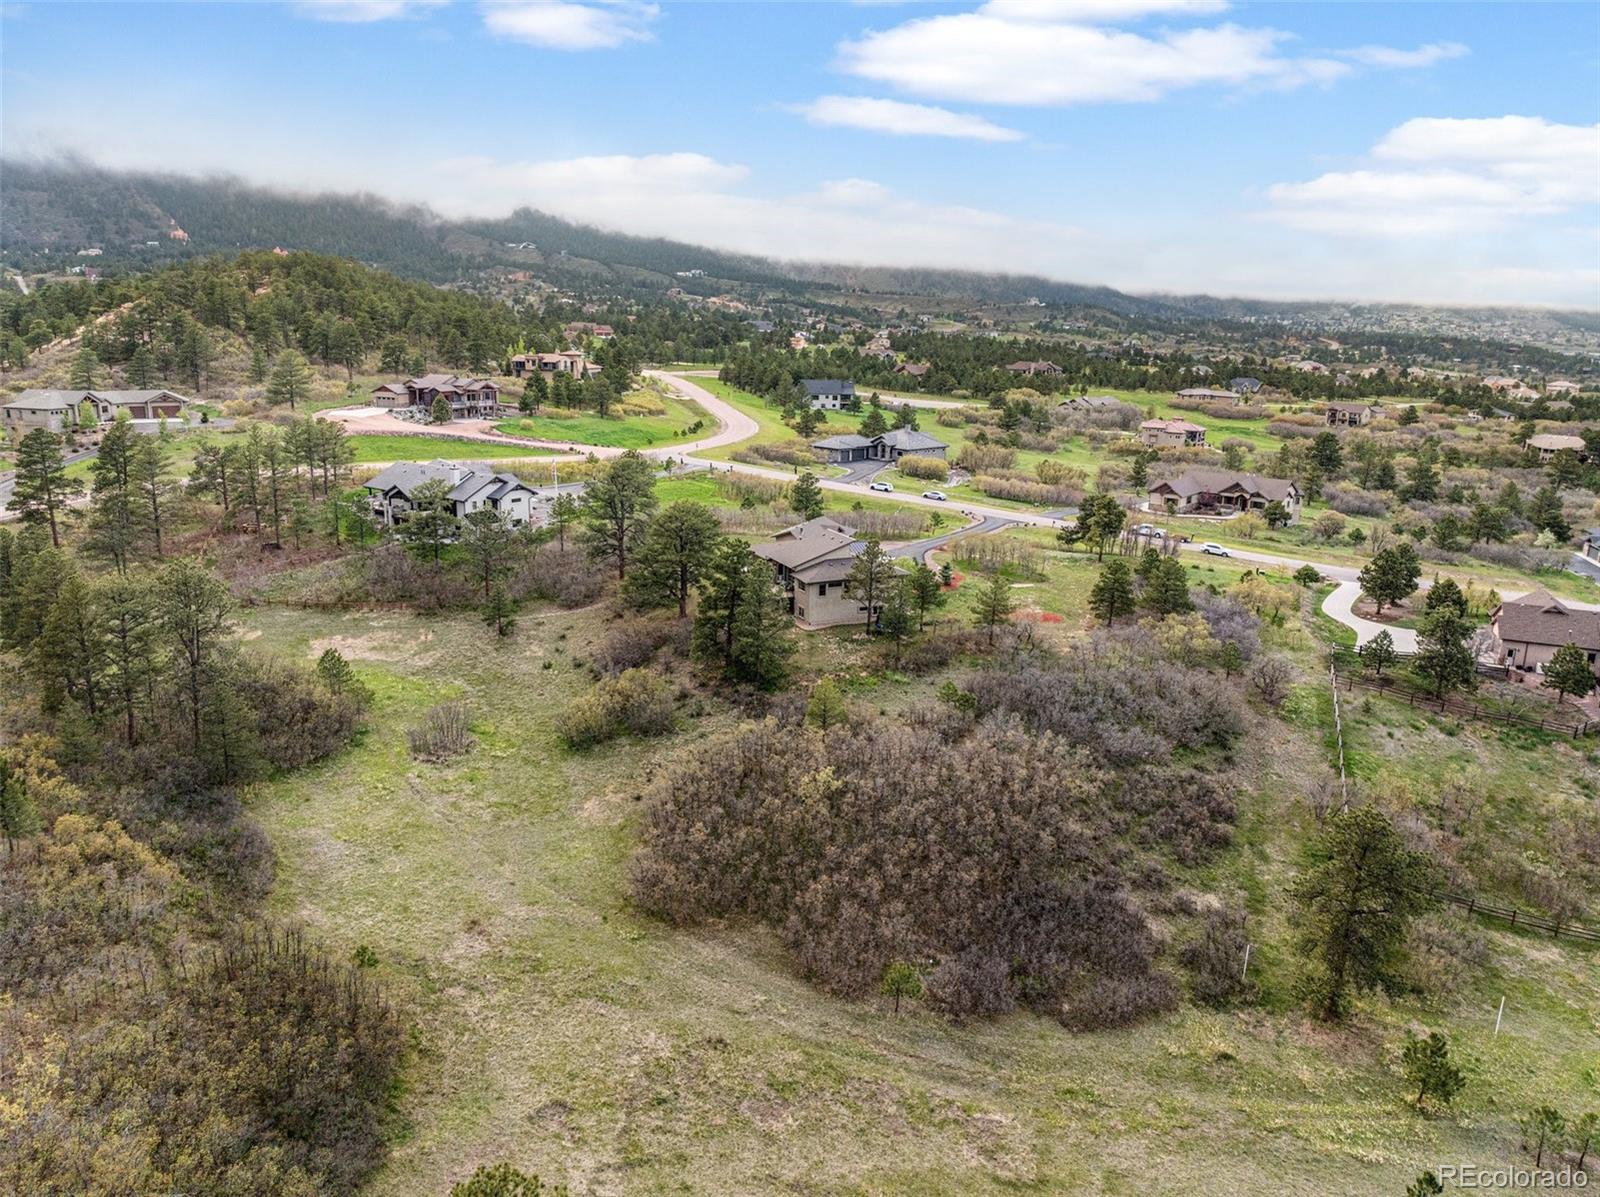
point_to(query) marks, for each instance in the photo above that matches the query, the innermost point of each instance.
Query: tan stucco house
(812, 561)
(1224, 491)
(1171, 434)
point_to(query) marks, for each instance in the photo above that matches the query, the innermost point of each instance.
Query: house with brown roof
(1528, 631)
(1031, 368)
(1171, 433)
(1561, 386)
(1348, 415)
(812, 562)
(469, 398)
(1548, 444)
(1221, 492)
(1209, 395)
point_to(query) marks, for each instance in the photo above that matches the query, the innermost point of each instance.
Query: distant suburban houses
(1208, 394)
(1034, 368)
(1561, 386)
(912, 369)
(1171, 433)
(891, 446)
(472, 488)
(1351, 414)
(582, 328)
(469, 398)
(1529, 630)
(1202, 492)
(1244, 386)
(570, 362)
(61, 411)
(828, 394)
(811, 562)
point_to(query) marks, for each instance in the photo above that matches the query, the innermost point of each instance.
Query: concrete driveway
(918, 550)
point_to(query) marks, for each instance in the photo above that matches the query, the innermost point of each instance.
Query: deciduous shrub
(636, 701)
(983, 459)
(1025, 490)
(442, 734)
(566, 576)
(915, 466)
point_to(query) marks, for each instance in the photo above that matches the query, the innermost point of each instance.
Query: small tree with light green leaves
(901, 980)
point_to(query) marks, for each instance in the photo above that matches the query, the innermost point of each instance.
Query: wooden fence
(1515, 918)
(1573, 724)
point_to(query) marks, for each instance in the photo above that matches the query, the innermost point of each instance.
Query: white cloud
(900, 118)
(1422, 56)
(1096, 12)
(363, 12)
(1053, 52)
(559, 25)
(1440, 177)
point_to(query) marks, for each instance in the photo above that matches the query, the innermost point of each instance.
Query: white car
(934, 494)
(883, 486)
(1216, 550)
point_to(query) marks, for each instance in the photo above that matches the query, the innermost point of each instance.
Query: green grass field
(371, 447)
(556, 1027)
(672, 426)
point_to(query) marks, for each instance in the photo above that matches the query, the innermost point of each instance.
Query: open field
(558, 1028)
(641, 431)
(373, 446)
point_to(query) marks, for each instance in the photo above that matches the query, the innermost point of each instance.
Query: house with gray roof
(812, 562)
(1224, 492)
(472, 488)
(828, 394)
(890, 446)
(1528, 631)
(54, 411)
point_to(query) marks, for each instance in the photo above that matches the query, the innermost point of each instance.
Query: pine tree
(869, 578)
(1354, 906)
(85, 375)
(1428, 1066)
(1378, 653)
(151, 485)
(337, 675)
(1569, 672)
(290, 381)
(616, 506)
(927, 592)
(1443, 655)
(43, 487)
(1166, 591)
(1391, 576)
(805, 496)
(432, 523)
(826, 707)
(116, 517)
(18, 816)
(721, 585)
(128, 626)
(142, 368)
(488, 541)
(68, 655)
(259, 369)
(1112, 595)
(563, 512)
(763, 638)
(192, 606)
(439, 413)
(873, 424)
(499, 612)
(674, 550)
(994, 604)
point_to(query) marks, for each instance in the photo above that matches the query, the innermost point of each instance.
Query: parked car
(934, 494)
(883, 486)
(1149, 530)
(1216, 550)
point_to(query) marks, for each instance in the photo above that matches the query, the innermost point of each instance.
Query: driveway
(1340, 605)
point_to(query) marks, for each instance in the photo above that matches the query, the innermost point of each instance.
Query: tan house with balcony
(1350, 415)
(1171, 434)
(812, 562)
(1223, 492)
(1548, 444)
(1528, 631)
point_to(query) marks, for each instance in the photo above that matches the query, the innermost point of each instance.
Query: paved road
(1582, 566)
(918, 550)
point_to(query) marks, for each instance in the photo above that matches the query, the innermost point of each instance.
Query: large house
(1031, 368)
(570, 362)
(812, 561)
(1171, 433)
(828, 394)
(1091, 403)
(54, 411)
(472, 488)
(65, 411)
(1351, 414)
(1548, 444)
(1209, 395)
(1561, 386)
(891, 446)
(1221, 491)
(1244, 386)
(912, 369)
(469, 398)
(1529, 630)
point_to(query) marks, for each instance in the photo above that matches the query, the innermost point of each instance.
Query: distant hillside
(49, 212)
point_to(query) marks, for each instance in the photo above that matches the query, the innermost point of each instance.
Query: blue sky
(1410, 151)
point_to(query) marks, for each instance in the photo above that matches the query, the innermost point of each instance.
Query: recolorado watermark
(1511, 1177)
